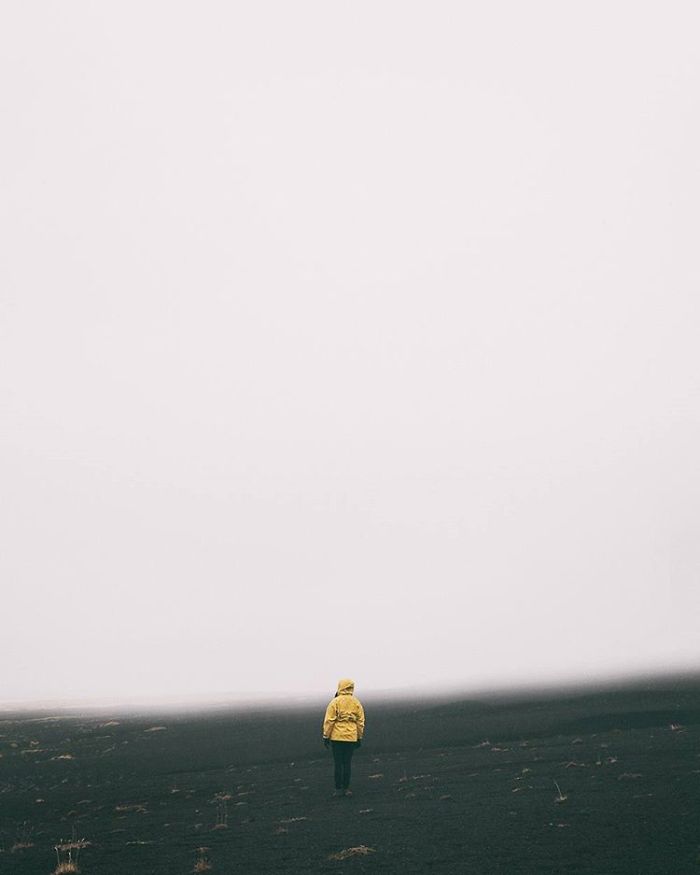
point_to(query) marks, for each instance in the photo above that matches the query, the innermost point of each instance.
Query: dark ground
(460, 786)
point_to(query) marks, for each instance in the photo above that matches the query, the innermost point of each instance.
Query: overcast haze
(347, 339)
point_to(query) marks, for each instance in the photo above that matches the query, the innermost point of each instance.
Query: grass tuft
(67, 854)
(359, 851)
(202, 863)
(21, 846)
(560, 797)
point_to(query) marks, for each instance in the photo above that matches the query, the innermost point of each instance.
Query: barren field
(603, 782)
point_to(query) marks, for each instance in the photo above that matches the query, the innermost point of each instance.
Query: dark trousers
(342, 759)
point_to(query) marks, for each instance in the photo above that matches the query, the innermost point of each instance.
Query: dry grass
(67, 854)
(221, 812)
(73, 845)
(202, 863)
(359, 851)
(126, 808)
(21, 846)
(23, 840)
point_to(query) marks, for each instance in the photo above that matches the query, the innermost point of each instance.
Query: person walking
(343, 728)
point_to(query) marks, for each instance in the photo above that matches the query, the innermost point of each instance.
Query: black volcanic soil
(461, 786)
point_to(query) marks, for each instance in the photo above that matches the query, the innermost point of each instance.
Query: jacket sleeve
(360, 721)
(329, 720)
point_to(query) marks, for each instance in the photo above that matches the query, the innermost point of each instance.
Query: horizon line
(212, 700)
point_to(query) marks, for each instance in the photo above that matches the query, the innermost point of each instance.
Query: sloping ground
(605, 783)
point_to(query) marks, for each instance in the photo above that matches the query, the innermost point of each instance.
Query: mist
(347, 340)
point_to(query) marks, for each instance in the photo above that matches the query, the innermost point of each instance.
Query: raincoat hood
(346, 687)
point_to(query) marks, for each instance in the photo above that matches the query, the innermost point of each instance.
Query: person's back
(343, 728)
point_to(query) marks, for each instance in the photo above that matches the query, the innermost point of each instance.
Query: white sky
(347, 339)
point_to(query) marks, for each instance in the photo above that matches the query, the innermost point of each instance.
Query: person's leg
(337, 747)
(347, 763)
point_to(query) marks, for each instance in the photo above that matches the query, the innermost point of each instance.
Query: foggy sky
(347, 339)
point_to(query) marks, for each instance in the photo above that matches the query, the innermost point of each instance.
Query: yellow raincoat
(345, 717)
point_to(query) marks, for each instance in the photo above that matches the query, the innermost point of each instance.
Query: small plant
(202, 864)
(24, 839)
(560, 797)
(359, 851)
(67, 854)
(221, 813)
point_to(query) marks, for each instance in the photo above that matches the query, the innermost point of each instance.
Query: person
(343, 728)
